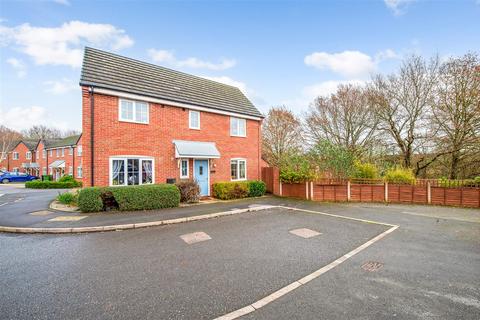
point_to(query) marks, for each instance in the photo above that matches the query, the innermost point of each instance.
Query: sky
(276, 52)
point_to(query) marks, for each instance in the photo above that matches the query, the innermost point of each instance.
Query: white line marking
(1, 194)
(3, 204)
(294, 285)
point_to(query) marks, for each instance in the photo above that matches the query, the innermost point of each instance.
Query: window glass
(44, 154)
(233, 126)
(79, 150)
(79, 172)
(147, 173)
(70, 151)
(118, 172)
(184, 169)
(241, 169)
(133, 171)
(63, 152)
(51, 152)
(194, 119)
(237, 127)
(233, 169)
(70, 170)
(127, 110)
(141, 112)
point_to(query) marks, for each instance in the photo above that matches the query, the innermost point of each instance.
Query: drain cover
(372, 266)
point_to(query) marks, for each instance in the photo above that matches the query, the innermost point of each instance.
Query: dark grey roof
(68, 141)
(31, 143)
(110, 71)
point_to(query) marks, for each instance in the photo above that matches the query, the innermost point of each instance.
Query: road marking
(3, 204)
(191, 238)
(296, 284)
(304, 233)
(41, 213)
(67, 218)
(19, 199)
(1, 194)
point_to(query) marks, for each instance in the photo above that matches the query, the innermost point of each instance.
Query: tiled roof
(110, 71)
(30, 143)
(68, 141)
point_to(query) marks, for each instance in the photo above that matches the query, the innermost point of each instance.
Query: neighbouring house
(21, 157)
(143, 124)
(61, 157)
(56, 157)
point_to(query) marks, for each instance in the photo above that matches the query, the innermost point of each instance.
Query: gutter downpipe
(92, 114)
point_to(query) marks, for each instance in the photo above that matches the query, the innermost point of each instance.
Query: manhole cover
(372, 266)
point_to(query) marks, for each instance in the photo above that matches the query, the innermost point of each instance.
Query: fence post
(386, 190)
(311, 190)
(429, 192)
(306, 190)
(281, 193)
(348, 191)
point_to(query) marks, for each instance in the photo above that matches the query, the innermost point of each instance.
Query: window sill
(132, 121)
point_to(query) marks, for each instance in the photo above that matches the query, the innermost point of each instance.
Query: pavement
(428, 268)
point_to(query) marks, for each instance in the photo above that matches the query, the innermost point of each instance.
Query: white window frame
(237, 121)
(190, 112)
(181, 167)
(70, 170)
(125, 158)
(70, 151)
(28, 155)
(57, 151)
(79, 151)
(79, 172)
(51, 152)
(134, 103)
(44, 154)
(37, 156)
(15, 155)
(238, 169)
(63, 152)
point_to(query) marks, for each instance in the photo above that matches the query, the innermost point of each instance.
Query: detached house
(143, 124)
(21, 157)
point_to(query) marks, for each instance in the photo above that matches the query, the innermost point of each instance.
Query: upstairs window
(63, 152)
(238, 127)
(58, 152)
(133, 111)
(70, 151)
(51, 152)
(79, 151)
(44, 154)
(238, 169)
(15, 156)
(28, 155)
(194, 119)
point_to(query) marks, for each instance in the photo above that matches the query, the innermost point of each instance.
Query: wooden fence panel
(267, 177)
(471, 197)
(420, 195)
(438, 196)
(294, 190)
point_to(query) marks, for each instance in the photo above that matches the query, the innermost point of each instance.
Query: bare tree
(42, 132)
(456, 112)
(346, 118)
(8, 138)
(282, 135)
(402, 105)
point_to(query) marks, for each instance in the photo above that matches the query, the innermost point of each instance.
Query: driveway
(429, 268)
(16, 203)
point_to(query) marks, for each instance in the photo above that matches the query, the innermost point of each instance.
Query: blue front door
(201, 176)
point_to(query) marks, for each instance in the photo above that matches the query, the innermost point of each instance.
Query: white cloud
(349, 64)
(346, 63)
(167, 56)
(326, 88)
(63, 45)
(23, 118)
(398, 7)
(19, 66)
(62, 2)
(60, 86)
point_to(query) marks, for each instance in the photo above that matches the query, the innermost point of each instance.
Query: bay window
(238, 169)
(131, 171)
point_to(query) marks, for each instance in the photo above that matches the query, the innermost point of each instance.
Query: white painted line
(296, 284)
(305, 233)
(1, 194)
(19, 199)
(67, 218)
(3, 204)
(191, 238)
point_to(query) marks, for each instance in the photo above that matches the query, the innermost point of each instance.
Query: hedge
(189, 191)
(129, 198)
(38, 184)
(238, 189)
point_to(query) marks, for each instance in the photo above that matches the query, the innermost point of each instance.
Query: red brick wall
(22, 150)
(166, 123)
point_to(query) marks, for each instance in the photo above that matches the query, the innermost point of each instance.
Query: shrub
(230, 190)
(67, 198)
(90, 199)
(365, 170)
(66, 178)
(38, 184)
(334, 159)
(147, 197)
(256, 188)
(400, 176)
(189, 191)
(297, 169)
